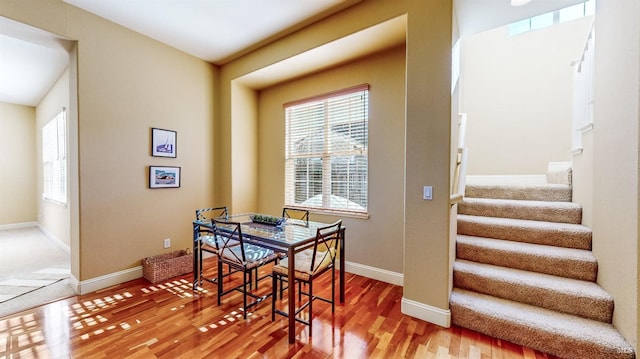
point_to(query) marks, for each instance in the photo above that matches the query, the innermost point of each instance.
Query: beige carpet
(33, 270)
(524, 272)
(548, 192)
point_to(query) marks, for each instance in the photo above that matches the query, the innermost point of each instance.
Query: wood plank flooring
(168, 320)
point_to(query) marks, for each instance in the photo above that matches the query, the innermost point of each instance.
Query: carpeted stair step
(563, 262)
(564, 212)
(548, 233)
(577, 297)
(559, 334)
(542, 192)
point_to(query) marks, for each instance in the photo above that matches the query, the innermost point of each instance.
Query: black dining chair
(301, 216)
(310, 264)
(295, 216)
(206, 236)
(242, 257)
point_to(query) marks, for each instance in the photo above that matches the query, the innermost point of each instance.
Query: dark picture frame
(164, 177)
(163, 143)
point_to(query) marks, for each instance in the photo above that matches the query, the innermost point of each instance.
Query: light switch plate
(427, 193)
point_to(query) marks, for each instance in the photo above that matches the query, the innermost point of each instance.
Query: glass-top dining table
(290, 237)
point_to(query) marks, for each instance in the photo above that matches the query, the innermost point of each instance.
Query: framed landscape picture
(164, 177)
(163, 143)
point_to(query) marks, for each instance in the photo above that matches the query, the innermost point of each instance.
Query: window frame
(566, 14)
(358, 155)
(54, 159)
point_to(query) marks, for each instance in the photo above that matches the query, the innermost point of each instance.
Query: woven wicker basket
(164, 266)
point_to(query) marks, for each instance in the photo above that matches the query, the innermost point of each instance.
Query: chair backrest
(205, 233)
(228, 236)
(296, 213)
(326, 245)
(211, 213)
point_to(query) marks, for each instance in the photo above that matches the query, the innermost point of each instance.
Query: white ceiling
(212, 30)
(31, 60)
(217, 31)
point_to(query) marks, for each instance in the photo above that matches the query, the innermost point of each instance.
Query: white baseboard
(74, 283)
(18, 225)
(409, 307)
(375, 273)
(65, 247)
(426, 312)
(105, 281)
(505, 179)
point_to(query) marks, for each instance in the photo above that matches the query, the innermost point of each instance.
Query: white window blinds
(54, 159)
(326, 151)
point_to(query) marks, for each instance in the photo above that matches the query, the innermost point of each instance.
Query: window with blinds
(326, 151)
(54, 159)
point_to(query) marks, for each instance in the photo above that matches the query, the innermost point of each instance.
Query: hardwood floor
(168, 320)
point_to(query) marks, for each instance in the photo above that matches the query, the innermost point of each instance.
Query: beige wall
(244, 141)
(128, 84)
(517, 93)
(136, 84)
(54, 218)
(376, 241)
(455, 139)
(427, 156)
(426, 151)
(615, 157)
(18, 162)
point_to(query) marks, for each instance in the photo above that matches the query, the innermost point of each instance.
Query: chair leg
(257, 277)
(200, 270)
(333, 290)
(274, 295)
(244, 292)
(310, 308)
(220, 289)
(281, 287)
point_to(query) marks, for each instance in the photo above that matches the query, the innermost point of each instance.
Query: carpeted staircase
(524, 272)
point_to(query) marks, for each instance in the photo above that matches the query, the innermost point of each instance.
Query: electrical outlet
(167, 243)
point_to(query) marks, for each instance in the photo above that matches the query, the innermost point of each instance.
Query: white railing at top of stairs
(460, 172)
(583, 92)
